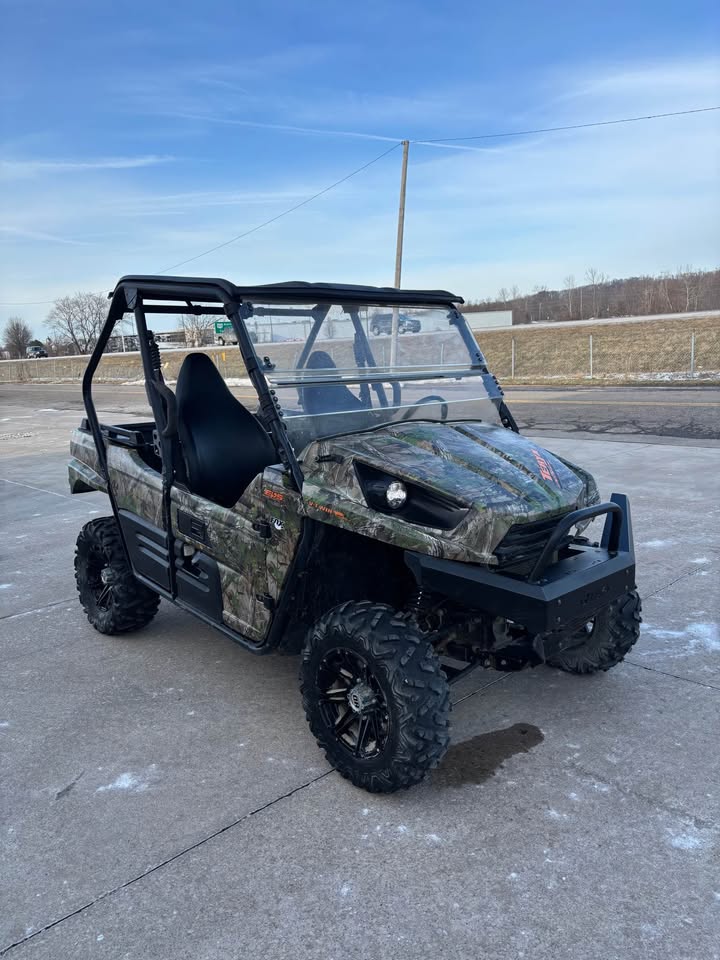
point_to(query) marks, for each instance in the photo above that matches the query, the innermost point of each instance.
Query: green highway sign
(222, 326)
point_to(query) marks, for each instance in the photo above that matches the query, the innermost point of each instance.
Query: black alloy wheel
(352, 703)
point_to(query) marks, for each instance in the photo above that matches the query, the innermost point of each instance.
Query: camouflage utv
(367, 502)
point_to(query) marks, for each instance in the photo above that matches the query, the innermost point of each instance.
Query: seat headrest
(320, 360)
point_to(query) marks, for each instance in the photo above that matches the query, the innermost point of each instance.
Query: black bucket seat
(224, 445)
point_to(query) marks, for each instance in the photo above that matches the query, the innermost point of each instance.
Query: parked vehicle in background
(35, 352)
(382, 323)
(226, 336)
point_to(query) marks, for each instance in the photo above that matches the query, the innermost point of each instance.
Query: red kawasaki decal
(546, 470)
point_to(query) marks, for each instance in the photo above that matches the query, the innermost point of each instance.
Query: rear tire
(113, 600)
(605, 640)
(375, 696)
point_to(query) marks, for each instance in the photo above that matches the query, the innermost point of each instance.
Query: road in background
(685, 412)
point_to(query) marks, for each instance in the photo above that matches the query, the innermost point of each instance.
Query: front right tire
(375, 696)
(604, 641)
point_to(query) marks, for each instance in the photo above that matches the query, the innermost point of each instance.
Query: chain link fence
(649, 351)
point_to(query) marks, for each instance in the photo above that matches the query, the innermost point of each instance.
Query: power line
(297, 206)
(571, 126)
(320, 193)
(259, 226)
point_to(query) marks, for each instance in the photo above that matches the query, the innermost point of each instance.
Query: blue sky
(134, 136)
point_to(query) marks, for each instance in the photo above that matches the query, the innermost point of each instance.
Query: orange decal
(273, 495)
(324, 509)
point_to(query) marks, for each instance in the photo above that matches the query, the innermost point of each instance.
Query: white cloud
(40, 235)
(22, 169)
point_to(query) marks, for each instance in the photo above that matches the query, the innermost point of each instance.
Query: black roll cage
(218, 297)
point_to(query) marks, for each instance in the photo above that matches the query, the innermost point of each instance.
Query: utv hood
(478, 464)
(501, 478)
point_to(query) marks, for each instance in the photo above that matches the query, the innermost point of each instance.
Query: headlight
(396, 494)
(589, 498)
(408, 501)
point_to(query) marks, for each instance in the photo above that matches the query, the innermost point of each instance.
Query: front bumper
(555, 596)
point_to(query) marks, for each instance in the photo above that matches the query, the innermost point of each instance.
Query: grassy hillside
(628, 350)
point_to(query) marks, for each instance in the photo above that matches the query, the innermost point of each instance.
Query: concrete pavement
(161, 796)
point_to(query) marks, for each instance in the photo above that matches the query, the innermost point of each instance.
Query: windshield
(338, 370)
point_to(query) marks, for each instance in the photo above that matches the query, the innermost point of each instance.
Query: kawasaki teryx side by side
(367, 502)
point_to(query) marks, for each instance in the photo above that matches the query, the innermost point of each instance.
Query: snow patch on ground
(130, 782)
(657, 543)
(696, 636)
(688, 839)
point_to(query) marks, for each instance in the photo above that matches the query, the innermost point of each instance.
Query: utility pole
(399, 250)
(401, 214)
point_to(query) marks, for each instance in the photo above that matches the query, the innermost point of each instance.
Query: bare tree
(196, 328)
(592, 276)
(647, 296)
(698, 286)
(599, 292)
(569, 283)
(78, 319)
(539, 291)
(503, 295)
(693, 285)
(17, 335)
(667, 289)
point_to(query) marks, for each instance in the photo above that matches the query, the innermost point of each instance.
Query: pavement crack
(675, 676)
(467, 696)
(47, 606)
(658, 804)
(52, 493)
(163, 863)
(664, 586)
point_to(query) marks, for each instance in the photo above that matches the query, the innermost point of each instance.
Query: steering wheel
(431, 398)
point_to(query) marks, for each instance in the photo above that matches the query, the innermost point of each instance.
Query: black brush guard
(567, 585)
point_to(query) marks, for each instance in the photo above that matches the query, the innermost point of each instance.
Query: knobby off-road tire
(375, 696)
(605, 640)
(114, 601)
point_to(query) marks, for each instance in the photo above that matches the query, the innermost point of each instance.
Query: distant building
(489, 319)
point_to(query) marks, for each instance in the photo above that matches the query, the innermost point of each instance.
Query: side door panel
(137, 488)
(224, 553)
